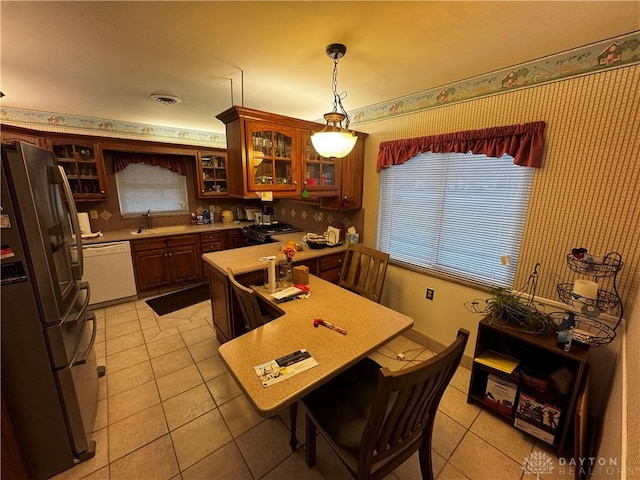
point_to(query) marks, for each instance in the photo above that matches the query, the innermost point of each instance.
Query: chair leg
(310, 442)
(293, 420)
(426, 466)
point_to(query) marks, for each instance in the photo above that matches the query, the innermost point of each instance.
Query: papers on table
(281, 368)
(290, 293)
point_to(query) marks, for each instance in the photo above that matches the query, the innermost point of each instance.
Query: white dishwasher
(108, 268)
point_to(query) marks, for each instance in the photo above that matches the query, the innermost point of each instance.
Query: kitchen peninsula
(250, 270)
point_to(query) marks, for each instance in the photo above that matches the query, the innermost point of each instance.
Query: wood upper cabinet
(9, 134)
(84, 165)
(270, 152)
(271, 157)
(321, 174)
(351, 177)
(211, 173)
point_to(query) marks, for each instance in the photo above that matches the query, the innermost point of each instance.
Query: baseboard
(435, 346)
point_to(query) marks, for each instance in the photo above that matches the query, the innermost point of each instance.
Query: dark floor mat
(182, 299)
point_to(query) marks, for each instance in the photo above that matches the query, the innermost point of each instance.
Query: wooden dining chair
(363, 271)
(249, 306)
(375, 419)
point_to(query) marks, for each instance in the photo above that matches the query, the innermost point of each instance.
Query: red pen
(324, 323)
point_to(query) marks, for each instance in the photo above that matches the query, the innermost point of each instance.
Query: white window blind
(143, 187)
(456, 214)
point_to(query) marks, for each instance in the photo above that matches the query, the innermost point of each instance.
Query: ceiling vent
(165, 99)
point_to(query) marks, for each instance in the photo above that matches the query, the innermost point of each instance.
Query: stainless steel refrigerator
(49, 371)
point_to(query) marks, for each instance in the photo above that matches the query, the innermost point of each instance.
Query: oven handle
(91, 317)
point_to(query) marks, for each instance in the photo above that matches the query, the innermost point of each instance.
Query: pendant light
(334, 141)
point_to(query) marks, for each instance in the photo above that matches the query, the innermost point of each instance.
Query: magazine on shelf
(275, 371)
(497, 361)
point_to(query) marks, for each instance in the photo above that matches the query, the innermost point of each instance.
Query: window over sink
(142, 187)
(457, 214)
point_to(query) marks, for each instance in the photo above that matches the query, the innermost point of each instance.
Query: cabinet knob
(171, 254)
(295, 182)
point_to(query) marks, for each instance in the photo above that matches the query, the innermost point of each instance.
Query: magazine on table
(275, 371)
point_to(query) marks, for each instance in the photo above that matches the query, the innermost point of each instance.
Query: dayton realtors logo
(538, 463)
(541, 463)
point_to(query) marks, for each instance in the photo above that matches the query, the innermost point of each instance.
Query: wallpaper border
(606, 54)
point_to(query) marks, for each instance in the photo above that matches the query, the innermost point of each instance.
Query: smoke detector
(165, 99)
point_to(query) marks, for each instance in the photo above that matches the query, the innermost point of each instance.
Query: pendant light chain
(337, 99)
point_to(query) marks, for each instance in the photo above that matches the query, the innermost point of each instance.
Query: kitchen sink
(161, 230)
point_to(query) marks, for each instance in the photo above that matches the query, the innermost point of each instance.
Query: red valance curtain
(123, 159)
(525, 143)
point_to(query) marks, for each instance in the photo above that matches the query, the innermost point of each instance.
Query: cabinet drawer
(332, 275)
(149, 244)
(331, 261)
(212, 247)
(179, 240)
(211, 237)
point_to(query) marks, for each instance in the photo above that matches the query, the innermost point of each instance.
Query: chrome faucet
(148, 217)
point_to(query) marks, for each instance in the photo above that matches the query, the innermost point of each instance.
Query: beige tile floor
(169, 409)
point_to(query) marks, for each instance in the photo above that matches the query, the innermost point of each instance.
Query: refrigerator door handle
(82, 286)
(91, 317)
(60, 177)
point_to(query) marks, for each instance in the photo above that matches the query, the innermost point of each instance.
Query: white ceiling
(104, 59)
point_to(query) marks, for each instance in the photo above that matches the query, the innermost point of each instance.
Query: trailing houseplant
(515, 310)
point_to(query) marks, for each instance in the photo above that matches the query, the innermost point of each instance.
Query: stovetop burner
(276, 227)
(262, 233)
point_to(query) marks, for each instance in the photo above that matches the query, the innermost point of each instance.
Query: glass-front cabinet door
(84, 165)
(321, 175)
(270, 157)
(212, 174)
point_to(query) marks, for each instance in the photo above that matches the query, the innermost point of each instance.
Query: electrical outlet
(93, 214)
(429, 295)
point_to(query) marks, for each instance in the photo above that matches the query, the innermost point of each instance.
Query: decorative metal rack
(588, 330)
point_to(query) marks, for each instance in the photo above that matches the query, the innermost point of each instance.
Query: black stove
(258, 234)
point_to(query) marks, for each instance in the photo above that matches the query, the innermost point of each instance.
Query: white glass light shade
(333, 144)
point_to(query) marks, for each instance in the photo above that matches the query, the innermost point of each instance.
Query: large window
(456, 214)
(143, 187)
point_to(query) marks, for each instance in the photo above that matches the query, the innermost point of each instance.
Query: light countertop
(127, 235)
(247, 259)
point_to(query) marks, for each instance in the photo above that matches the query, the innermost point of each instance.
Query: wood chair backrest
(249, 306)
(363, 271)
(404, 409)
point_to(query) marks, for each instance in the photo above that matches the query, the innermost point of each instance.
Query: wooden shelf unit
(536, 351)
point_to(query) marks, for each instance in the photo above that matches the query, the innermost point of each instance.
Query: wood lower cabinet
(211, 242)
(234, 239)
(164, 261)
(227, 318)
(330, 267)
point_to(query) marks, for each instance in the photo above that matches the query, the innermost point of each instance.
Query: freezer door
(42, 220)
(79, 390)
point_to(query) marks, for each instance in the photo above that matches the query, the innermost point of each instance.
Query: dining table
(366, 326)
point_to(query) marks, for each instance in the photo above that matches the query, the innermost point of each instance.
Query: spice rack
(587, 329)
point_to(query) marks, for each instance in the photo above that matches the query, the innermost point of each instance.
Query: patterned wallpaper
(588, 191)
(586, 194)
